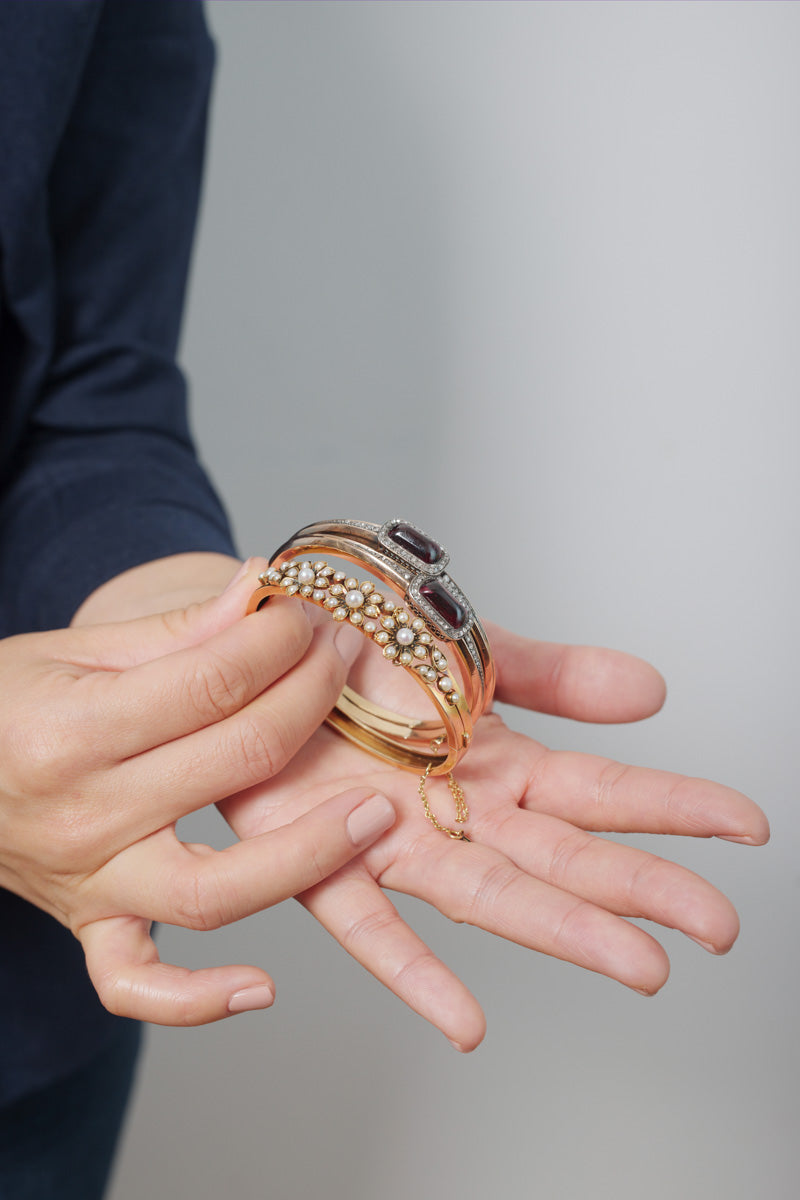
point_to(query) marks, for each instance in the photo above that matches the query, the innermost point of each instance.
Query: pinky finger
(131, 980)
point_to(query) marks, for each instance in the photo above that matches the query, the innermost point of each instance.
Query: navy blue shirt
(102, 128)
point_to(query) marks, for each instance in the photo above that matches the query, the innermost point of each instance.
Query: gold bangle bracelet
(430, 630)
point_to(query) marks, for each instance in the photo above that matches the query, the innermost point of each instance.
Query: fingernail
(644, 992)
(371, 817)
(709, 946)
(456, 1046)
(240, 574)
(349, 643)
(249, 999)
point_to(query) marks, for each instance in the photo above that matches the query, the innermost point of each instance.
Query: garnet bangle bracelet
(432, 630)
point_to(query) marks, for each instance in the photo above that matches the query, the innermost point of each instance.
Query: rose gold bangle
(416, 615)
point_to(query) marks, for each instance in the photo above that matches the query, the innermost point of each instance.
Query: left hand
(533, 872)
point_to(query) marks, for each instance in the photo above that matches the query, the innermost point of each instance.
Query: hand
(533, 872)
(110, 734)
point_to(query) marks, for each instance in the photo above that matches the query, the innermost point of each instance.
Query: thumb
(123, 644)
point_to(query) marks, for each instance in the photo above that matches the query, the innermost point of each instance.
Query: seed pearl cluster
(403, 638)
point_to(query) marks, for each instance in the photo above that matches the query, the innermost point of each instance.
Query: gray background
(528, 274)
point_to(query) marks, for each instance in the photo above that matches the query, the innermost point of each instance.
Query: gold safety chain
(456, 791)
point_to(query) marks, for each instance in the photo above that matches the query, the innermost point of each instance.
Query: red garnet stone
(444, 603)
(413, 542)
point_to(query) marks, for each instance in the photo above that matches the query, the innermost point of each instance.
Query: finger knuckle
(217, 688)
(574, 937)
(607, 785)
(564, 854)
(113, 997)
(486, 894)
(364, 931)
(199, 902)
(261, 748)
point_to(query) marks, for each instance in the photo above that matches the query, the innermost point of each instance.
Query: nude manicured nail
(369, 819)
(709, 946)
(349, 643)
(249, 999)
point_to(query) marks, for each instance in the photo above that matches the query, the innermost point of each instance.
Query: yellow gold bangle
(416, 615)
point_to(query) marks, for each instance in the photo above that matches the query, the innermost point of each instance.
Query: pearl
(354, 598)
(405, 636)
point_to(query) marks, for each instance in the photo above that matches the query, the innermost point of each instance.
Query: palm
(533, 871)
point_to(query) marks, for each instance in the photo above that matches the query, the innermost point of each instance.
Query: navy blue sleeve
(103, 108)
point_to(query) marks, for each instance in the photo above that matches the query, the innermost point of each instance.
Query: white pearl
(354, 598)
(404, 636)
(306, 575)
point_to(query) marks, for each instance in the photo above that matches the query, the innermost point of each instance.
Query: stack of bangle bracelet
(419, 619)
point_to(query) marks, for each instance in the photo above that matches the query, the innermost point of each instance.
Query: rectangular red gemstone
(413, 542)
(444, 603)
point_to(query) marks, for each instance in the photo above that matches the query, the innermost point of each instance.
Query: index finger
(179, 693)
(586, 683)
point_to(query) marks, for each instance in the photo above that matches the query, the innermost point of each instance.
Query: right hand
(110, 733)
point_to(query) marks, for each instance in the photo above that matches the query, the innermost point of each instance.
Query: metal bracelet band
(433, 613)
